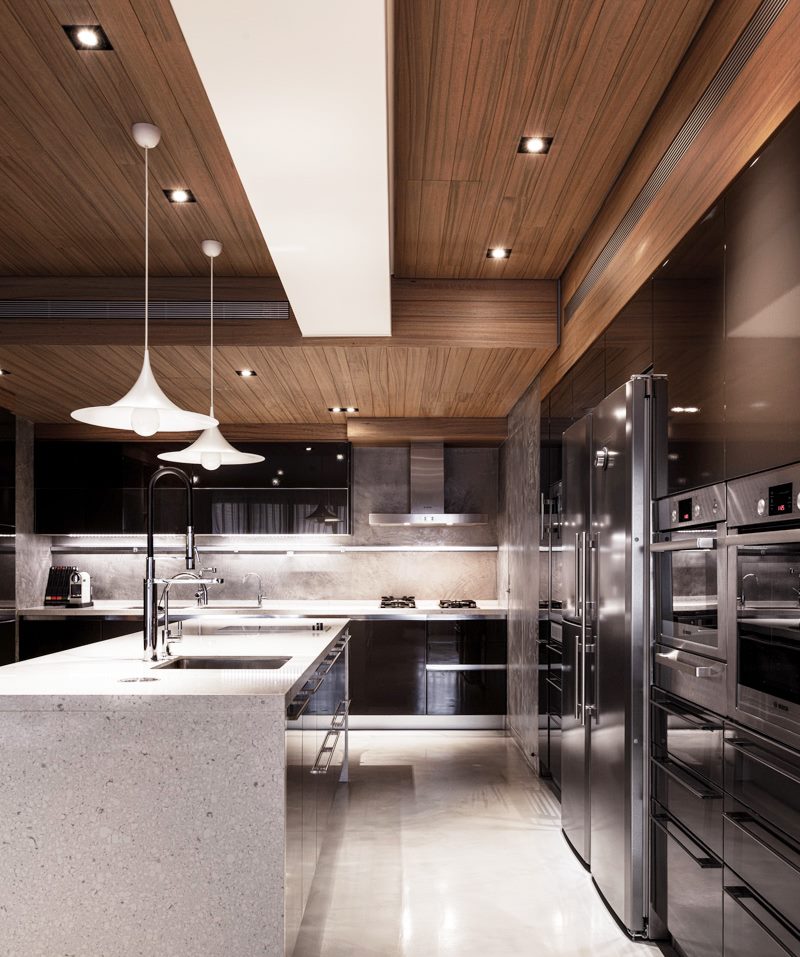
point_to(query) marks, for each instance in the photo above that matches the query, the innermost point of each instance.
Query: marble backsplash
(380, 484)
(518, 566)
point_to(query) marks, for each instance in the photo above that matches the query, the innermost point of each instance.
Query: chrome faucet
(260, 595)
(742, 597)
(201, 595)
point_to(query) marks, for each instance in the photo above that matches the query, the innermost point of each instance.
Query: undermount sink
(222, 662)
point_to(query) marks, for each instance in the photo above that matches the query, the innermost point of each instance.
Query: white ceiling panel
(299, 88)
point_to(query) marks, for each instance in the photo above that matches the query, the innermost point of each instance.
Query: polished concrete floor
(444, 844)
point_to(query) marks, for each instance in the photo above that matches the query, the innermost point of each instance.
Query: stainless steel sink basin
(184, 663)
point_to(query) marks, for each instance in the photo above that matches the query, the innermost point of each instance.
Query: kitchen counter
(334, 608)
(147, 817)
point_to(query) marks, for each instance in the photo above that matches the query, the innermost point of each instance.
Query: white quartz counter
(333, 608)
(109, 673)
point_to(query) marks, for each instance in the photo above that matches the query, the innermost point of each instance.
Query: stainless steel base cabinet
(752, 928)
(687, 889)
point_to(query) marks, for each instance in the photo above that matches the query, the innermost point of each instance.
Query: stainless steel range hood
(427, 493)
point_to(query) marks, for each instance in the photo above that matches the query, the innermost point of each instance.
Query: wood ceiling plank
(452, 42)
(435, 196)
(416, 361)
(414, 31)
(377, 431)
(234, 432)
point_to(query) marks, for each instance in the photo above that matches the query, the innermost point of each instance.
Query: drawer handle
(663, 822)
(326, 753)
(684, 545)
(685, 780)
(741, 820)
(743, 746)
(763, 917)
(297, 706)
(466, 667)
(672, 659)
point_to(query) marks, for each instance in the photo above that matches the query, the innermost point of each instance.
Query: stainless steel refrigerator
(614, 461)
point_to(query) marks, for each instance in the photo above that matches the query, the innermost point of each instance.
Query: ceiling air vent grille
(743, 49)
(134, 309)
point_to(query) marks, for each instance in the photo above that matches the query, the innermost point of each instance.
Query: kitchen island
(144, 810)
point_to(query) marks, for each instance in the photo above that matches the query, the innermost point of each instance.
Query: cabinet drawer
(688, 890)
(765, 777)
(472, 691)
(688, 735)
(764, 858)
(692, 802)
(751, 929)
(467, 642)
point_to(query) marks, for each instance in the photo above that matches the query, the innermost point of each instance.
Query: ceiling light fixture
(145, 408)
(211, 449)
(4, 372)
(246, 373)
(535, 144)
(498, 252)
(180, 196)
(88, 36)
(342, 408)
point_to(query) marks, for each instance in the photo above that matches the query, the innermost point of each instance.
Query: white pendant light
(211, 449)
(145, 408)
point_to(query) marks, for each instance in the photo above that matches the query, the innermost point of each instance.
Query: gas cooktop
(458, 603)
(389, 601)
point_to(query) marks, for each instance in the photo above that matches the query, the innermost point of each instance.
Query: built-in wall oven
(690, 572)
(764, 576)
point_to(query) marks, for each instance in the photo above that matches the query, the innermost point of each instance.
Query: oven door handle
(685, 545)
(672, 659)
(781, 536)
(743, 747)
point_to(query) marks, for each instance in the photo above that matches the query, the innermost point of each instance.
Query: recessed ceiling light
(246, 373)
(535, 144)
(342, 408)
(4, 372)
(498, 252)
(87, 36)
(181, 195)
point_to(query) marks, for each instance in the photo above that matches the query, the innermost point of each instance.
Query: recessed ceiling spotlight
(181, 195)
(87, 36)
(342, 408)
(535, 144)
(4, 372)
(246, 373)
(498, 252)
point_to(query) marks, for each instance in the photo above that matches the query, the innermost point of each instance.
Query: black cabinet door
(387, 667)
(7, 641)
(466, 667)
(45, 637)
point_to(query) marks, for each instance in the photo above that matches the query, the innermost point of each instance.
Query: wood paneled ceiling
(72, 183)
(473, 76)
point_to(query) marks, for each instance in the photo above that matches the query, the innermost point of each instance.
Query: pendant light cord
(212, 335)
(146, 251)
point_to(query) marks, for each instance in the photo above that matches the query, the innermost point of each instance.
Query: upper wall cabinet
(762, 293)
(101, 488)
(688, 339)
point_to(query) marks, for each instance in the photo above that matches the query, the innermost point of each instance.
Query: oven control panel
(704, 506)
(767, 497)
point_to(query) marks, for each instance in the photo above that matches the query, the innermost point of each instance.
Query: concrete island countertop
(324, 608)
(113, 672)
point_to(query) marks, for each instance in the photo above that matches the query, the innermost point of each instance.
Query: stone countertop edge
(97, 677)
(359, 609)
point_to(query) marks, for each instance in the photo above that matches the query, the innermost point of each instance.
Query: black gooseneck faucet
(150, 581)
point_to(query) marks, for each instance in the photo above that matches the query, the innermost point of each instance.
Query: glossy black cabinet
(7, 640)
(100, 488)
(45, 636)
(387, 667)
(446, 667)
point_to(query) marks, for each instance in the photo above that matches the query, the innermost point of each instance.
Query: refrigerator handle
(577, 689)
(578, 609)
(590, 708)
(580, 659)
